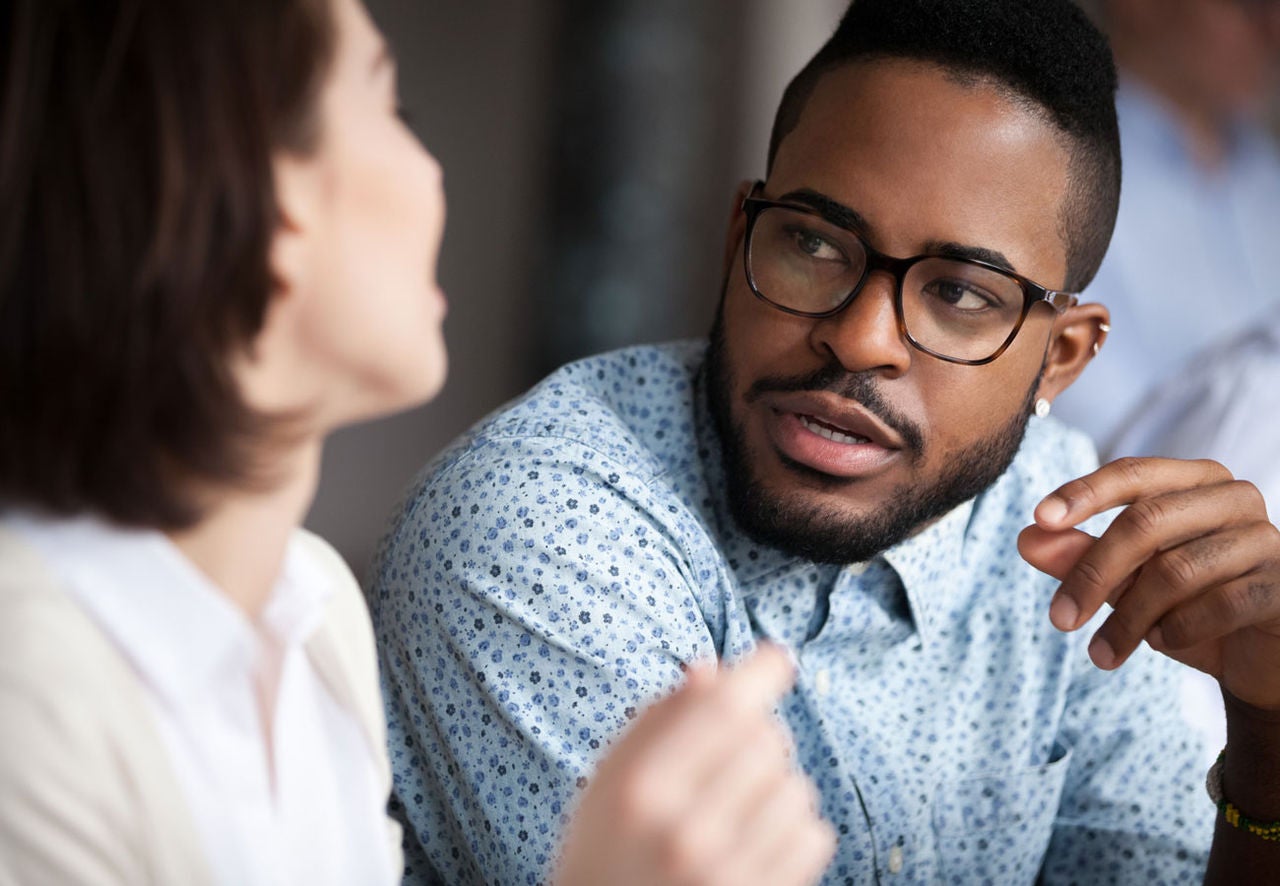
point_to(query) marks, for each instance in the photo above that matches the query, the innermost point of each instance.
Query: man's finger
(681, 734)
(1053, 553)
(1143, 530)
(1167, 581)
(1122, 482)
(1246, 601)
(761, 679)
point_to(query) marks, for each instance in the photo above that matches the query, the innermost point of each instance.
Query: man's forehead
(923, 156)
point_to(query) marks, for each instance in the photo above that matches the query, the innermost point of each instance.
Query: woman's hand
(1191, 565)
(702, 790)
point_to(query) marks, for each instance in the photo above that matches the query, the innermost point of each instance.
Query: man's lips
(830, 434)
(842, 415)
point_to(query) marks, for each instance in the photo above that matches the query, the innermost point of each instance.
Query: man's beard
(822, 533)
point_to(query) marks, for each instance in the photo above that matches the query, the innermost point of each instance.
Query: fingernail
(1052, 509)
(1102, 653)
(1064, 612)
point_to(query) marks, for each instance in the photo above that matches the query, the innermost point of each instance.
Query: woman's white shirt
(300, 804)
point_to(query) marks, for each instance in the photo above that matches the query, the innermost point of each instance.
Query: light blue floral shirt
(549, 574)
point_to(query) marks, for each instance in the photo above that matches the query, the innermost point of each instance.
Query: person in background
(1192, 260)
(1189, 278)
(847, 467)
(1224, 405)
(219, 244)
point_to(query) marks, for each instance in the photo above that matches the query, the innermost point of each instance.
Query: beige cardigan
(87, 795)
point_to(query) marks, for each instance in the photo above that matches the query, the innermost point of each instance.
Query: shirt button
(822, 682)
(895, 860)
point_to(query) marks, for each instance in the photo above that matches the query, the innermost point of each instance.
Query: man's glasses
(959, 310)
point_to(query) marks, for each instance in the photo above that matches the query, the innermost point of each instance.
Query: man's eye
(818, 247)
(962, 296)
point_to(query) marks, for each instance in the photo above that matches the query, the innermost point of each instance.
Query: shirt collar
(175, 626)
(928, 563)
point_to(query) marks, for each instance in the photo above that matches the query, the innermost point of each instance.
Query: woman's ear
(737, 226)
(298, 204)
(1078, 335)
(273, 373)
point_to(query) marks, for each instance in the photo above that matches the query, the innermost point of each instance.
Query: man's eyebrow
(836, 213)
(839, 214)
(949, 249)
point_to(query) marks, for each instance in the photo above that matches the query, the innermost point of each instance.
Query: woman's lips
(827, 447)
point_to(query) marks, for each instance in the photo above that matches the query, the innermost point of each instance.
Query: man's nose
(865, 335)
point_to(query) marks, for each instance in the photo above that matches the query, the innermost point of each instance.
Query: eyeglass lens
(957, 309)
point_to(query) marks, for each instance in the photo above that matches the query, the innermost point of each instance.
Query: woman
(219, 245)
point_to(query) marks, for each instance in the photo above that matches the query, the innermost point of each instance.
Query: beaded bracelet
(1267, 830)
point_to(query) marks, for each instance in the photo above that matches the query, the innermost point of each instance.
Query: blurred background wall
(591, 149)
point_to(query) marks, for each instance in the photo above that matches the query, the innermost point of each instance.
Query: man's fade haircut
(1046, 55)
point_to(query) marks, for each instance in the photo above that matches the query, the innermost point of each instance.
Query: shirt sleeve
(531, 598)
(1134, 807)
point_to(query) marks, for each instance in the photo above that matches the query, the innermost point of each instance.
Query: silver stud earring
(1042, 407)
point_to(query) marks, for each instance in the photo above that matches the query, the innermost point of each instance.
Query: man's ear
(298, 204)
(1078, 335)
(737, 226)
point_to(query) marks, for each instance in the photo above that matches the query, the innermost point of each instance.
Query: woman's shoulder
(80, 788)
(346, 612)
(65, 688)
(46, 639)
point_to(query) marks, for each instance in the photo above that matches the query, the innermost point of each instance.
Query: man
(846, 470)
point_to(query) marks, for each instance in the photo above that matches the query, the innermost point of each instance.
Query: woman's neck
(240, 544)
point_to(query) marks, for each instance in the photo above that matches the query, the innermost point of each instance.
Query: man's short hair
(1044, 54)
(136, 143)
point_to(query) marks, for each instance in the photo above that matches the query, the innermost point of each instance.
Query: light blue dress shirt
(1192, 262)
(549, 574)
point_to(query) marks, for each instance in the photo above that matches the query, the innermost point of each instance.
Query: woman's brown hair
(137, 210)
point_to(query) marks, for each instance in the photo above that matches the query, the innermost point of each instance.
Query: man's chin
(830, 519)
(805, 521)
(799, 511)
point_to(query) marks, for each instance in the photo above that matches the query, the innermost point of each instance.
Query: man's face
(840, 438)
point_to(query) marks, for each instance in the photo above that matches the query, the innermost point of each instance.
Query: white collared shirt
(298, 805)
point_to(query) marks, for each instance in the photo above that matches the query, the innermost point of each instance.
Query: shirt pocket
(996, 828)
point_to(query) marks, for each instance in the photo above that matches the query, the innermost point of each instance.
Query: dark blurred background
(591, 149)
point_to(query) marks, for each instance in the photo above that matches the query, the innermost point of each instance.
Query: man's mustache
(860, 387)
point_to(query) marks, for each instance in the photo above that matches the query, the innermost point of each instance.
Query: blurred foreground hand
(702, 790)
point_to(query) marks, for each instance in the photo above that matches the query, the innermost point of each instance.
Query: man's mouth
(828, 444)
(831, 432)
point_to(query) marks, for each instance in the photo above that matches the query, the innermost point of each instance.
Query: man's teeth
(830, 433)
